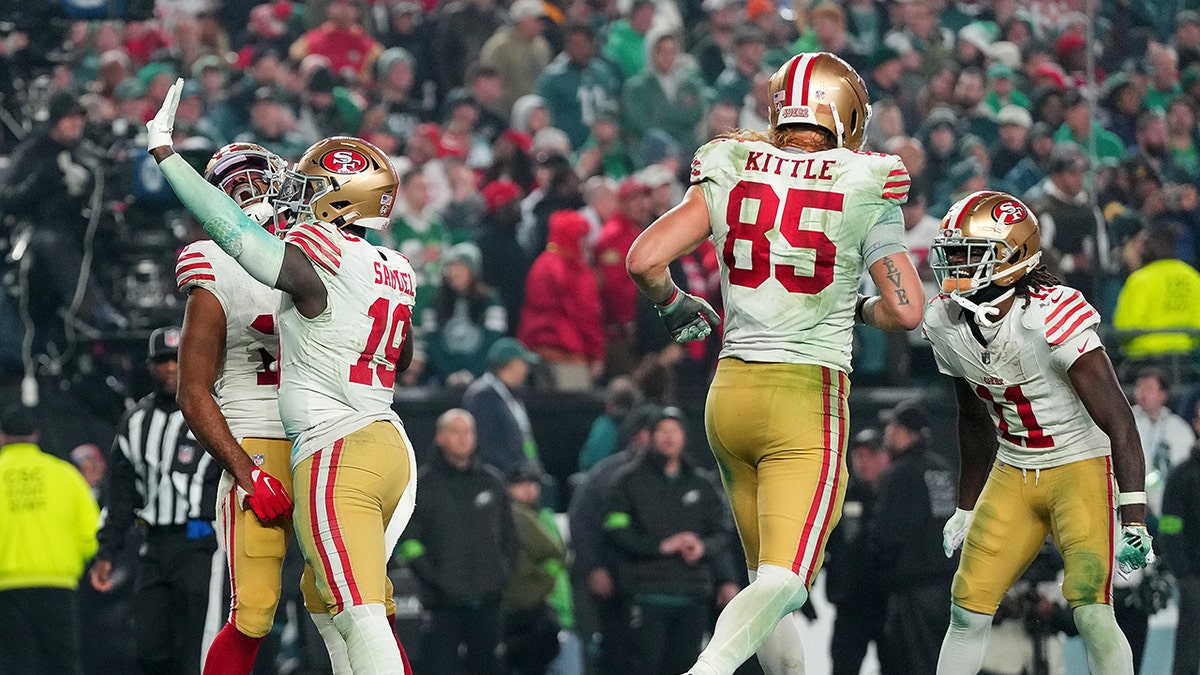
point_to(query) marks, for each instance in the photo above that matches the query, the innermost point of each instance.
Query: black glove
(687, 317)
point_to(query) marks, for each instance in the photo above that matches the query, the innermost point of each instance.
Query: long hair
(804, 136)
(1038, 277)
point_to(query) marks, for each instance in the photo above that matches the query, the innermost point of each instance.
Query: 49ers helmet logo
(1009, 212)
(343, 161)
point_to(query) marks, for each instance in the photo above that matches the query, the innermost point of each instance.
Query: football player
(1043, 429)
(796, 213)
(343, 324)
(230, 351)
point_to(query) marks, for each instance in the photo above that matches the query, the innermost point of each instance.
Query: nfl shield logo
(258, 459)
(986, 357)
(186, 454)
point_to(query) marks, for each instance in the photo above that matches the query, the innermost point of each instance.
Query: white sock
(370, 643)
(782, 653)
(1108, 651)
(750, 618)
(334, 643)
(965, 642)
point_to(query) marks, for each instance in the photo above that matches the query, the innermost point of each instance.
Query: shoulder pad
(195, 266)
(895, 181)
(319, 242)
(1067, 313)
(711, 160)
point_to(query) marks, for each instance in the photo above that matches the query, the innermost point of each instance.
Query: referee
(160, 477)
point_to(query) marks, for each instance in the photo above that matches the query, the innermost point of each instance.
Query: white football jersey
(338, 369)
(247, 388)
(1021, 373)
(794, 233)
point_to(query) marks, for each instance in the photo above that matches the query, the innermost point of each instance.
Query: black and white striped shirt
(158, 472)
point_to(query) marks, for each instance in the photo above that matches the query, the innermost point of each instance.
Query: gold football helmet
(821, 89)
(344, 181)
(986, 238)
(247, 172)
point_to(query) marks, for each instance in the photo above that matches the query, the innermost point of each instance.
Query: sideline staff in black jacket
(668, 526)
(461, 545)
(916, 496)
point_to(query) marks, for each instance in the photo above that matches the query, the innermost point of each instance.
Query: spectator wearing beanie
(1012, 145)
(560, 320)
(503, 264)
(1002, 88)
(393, 93)
(465, 318)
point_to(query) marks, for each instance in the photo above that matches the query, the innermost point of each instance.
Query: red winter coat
(562, 302)
(620, 293)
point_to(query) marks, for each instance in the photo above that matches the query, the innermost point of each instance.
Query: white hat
(1014, 114)
(527, 9)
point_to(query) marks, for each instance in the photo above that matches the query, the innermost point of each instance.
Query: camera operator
(47, 196)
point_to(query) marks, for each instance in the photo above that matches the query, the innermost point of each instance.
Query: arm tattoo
(893, 274)
(901, 297)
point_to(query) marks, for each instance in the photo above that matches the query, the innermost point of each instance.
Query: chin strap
(985, 309)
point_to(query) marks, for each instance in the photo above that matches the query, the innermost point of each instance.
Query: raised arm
(263, 255)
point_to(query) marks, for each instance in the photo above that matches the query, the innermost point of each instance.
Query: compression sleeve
(255, 249)
(886, 237)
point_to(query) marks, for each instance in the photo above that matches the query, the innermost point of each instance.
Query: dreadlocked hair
(1038, 277)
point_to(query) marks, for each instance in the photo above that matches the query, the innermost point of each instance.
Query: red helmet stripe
(962, 213)
(810, 61)
(790, 80)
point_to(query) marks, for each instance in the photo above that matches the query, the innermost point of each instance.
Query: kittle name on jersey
(391, 278)
(810, 169)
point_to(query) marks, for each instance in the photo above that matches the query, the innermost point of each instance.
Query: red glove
(269, 501)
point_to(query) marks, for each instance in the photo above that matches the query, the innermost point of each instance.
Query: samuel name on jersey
(795, 231)
(246, 387)
(1021, 373)
(369, 312)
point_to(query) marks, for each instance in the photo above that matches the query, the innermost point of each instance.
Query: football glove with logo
(269, 501)
(1135, 551)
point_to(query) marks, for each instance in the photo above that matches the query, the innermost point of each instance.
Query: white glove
(74, 175)
(158, 130)
(955, 531)
(1135, 551)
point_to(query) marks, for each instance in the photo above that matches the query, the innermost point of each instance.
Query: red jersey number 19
(391, 335)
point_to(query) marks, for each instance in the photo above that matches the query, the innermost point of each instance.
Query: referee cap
(164, 344)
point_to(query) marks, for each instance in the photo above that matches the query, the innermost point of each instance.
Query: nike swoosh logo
(1084, 346)
(1056, 297)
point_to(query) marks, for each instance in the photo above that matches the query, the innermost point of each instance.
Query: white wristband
(1127, 498)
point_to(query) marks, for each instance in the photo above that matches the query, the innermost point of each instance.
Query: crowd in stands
(499, 117)
(535, 140)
